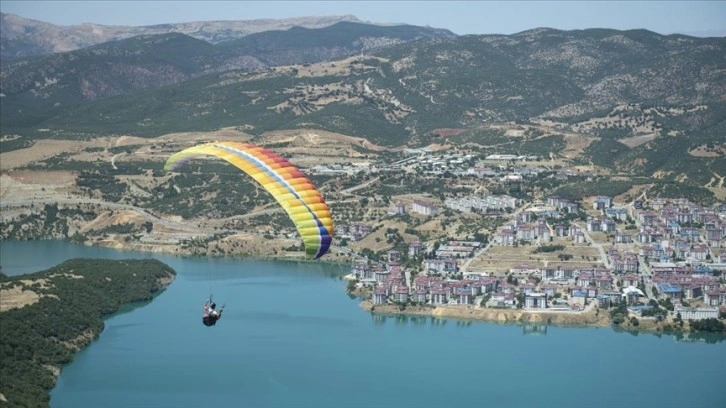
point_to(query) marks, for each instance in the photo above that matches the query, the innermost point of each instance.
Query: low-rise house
(525, 232)
(526, 216)
(693, 313)
(441, 266)
(684, 216)
(608, 225)
(361, 270)
(647, 218)
(623, 238)
(617, 213)
(580, 237)
(381, 275)
(394, 256)
(711, 298)
(585, 279)
(440, 296)
(569, 273)
(548, 273)
(603, 301)
(535, 300)
(630, 280)
(578, 298)
(423, 207)
(627, 265)
(380, 295)
(401, 294)
(420, 296)
(714, 233)
(602, 202)
(700, 252)
(604, 283)
(505, 237)
(399, 209)
(594, 224)
(549, 290)
(527, 288)
(690, 234)
(488, 285)
(633, 295)
(693, 291)
(415, 248)
(464, 296)
(497, 300)
(670, 291)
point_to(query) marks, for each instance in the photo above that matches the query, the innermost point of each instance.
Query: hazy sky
(701, 18)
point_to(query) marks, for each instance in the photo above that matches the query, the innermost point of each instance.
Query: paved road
(350, 190)
(599, 247)
(647, 275)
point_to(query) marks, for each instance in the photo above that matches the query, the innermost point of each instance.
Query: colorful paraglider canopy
(288, 185)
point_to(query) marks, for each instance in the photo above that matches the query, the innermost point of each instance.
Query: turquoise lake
(291, 337)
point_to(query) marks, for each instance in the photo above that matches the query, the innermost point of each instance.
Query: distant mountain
(105, 70)
(21, 37)
(303, 45)
(149, 61)
(646, 103)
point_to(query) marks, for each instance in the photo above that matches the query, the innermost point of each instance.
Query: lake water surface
(291, 337)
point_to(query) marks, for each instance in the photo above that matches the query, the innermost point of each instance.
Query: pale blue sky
(701, 18)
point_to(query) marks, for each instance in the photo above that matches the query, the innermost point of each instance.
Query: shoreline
(166, 249)
(136, 292)
(594, 318)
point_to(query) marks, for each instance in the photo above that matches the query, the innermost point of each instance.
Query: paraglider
(288, 185)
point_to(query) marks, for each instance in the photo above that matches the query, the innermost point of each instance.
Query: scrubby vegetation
(37, 339)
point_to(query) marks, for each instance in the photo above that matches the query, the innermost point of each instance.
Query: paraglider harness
(209, 318)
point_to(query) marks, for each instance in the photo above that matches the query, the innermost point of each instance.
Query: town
(657, 257)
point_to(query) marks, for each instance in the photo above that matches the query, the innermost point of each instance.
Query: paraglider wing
(292, 190)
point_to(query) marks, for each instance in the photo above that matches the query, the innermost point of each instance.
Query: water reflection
(529, 329)
(679, 337)
(416, 320)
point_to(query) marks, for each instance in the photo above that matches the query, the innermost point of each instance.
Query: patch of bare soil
(448, 132)
(703, 151)
(576, 144)
(24, 187)
(315, 137)
(16, 297)
(114, 218)
(230, 133)
(636, 141)
(41, 150)
(55, 371)
(81, 340)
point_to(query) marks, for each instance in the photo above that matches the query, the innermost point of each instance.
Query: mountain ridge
(645, 103)
(153, 60)
(21, 37)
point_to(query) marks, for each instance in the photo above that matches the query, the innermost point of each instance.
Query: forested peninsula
(48, 316)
